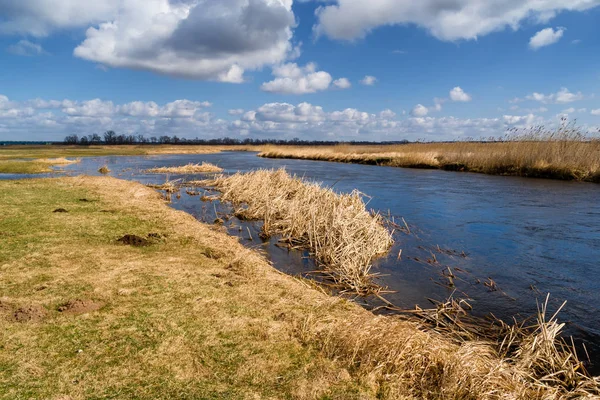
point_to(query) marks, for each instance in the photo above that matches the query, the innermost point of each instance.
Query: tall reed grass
(338, 229)
(412, 361)
(564, 153)
(187, 169)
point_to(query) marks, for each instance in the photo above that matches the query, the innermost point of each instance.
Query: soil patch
(135, 241)
(79, 306)
(60, 210)
(31, 313)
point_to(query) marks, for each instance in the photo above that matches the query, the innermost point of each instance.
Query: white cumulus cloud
(368, 80)
(419, 111)
(448, 20)
(457, 94)
(293, 79)
(563, 96)
(342, 83)
(203, 39)
(546, 37)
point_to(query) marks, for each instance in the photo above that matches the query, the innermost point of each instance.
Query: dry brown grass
(197, 313)
(187, 169)
(14, 152)
(562, 154)
(58, 161)
(338, 229)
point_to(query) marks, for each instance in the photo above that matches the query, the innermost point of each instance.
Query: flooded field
(503, 242)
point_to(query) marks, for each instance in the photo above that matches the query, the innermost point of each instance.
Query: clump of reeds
(104, 170)
(187, 169)
(338, 229)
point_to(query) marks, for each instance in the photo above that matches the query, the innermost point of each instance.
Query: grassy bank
(35, 159)
(568, 160)
(37, 166)
(193, 314)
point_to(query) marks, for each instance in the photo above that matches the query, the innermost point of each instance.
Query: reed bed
(342, 234)
(565, 153)
(187, 169)
(408, 360)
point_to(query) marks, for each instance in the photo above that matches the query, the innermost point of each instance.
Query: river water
(508, 241)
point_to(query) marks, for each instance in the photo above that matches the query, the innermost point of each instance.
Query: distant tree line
(112, 138)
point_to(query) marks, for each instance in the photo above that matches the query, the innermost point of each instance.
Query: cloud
(41, 119)
(39, 18)
(387, 114)
(595, 112)
(203, 39)
(90, 108)
(342, 83)
(546, 37)
(573, 110)
(563, 96)
(524, 120)
(457, 94)
(419, 111)
(368, 80)
(26, 48)
(292, 79)
(236, 111)
(447, 20)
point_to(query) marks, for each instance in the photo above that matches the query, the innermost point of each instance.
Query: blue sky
(439, 69)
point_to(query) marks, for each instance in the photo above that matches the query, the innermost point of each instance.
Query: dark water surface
(529, 236)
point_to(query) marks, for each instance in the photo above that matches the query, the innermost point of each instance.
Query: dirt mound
(31, 313)
(60, 210)
(80, 306)
(133, 240)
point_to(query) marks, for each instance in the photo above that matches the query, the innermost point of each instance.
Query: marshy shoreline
(563, 154)
(563, 160)
(212, 308)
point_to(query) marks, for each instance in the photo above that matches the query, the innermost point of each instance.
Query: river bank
(565, 160)
(577, 160)
(23, 159)
(193, 311)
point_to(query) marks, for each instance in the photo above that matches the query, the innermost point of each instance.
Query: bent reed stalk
(338, 229)
(564, 153)
(187, 169)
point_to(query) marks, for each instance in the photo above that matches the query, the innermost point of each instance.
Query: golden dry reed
(187, 169)
(338, 229)
(565, 153)
(407, 361)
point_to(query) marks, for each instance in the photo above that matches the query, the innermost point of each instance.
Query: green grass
(55, 151)
(23, 167)
(176, 324)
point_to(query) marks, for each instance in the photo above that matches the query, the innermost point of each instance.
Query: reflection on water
(529, 236)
